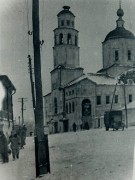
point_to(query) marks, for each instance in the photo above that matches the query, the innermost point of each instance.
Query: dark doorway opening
(65, 125)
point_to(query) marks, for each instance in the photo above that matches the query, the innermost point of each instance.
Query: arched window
(55, 40)
(69, 40)
(61, 38)
(73, 106)
(76, 41)
(86, 107)
(55, 106)
(67, 108)
(129, 54)
(116, 55)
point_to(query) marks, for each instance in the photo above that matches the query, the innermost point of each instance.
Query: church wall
(65, 17)
(47, 108)
(66, 55)
(67, 75)
(82, 90)
(122, 45)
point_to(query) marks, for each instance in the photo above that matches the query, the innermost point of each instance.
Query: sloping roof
(98, 79)
(65, 11)
(7, 82)
(113, 65)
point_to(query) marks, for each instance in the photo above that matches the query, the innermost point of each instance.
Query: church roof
(65, 11)
(103, 70)
(7, 82)
(98, 79)
(119, 32)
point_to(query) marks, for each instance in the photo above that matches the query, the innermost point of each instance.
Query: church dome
(119, 32)
(65, 11)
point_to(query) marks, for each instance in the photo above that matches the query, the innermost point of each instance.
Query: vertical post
(40, 143)
(22, 112)
(125, 105)
(37, 69)
(19, 120)
(113, 97)
(32, 83)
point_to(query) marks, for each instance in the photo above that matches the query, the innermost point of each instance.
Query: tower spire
(119, 4)
(120, 14)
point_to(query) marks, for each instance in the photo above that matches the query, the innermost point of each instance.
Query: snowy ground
(84, 155)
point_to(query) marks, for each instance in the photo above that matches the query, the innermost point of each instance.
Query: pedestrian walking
(3, 147)
(15, 143)
(22, 133)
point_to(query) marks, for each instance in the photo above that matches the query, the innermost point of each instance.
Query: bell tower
(65, 50)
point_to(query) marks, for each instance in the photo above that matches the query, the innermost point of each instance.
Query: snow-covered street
(85, 155)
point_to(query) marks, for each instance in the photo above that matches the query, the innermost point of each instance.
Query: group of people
(14, 143)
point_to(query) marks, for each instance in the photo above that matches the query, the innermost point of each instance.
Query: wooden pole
(41, 147)
(125, 105)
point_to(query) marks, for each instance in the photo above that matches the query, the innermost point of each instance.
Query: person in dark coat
(15, 143)
(22, 134)
(74, 127)
(3, 147)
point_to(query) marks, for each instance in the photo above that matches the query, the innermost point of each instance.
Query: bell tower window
(61, 38)
(72, 23)
(76, 41)
(69, 40)
(68, 23)
(116, 55)
(55, 40)
(129, 55)
(62, 23)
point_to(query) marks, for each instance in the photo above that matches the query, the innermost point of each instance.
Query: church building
(82, 99)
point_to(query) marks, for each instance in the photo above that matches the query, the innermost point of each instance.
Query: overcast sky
(94, 20)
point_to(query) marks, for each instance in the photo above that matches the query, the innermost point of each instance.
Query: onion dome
(120, 12)
(120, 31)
(65, 11)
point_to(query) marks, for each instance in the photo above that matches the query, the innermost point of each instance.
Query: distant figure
(3, 147)
(15, 143)
(74, 127)
(22, 134)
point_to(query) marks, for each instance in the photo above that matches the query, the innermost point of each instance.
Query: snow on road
(85, 155)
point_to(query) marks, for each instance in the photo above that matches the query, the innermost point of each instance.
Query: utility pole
(41, 141)
(32, 82)
(125, 105)
(22, 100)
(19, 120)
(124, 78)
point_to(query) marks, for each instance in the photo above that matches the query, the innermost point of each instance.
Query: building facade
(81, 98)
(7, 90)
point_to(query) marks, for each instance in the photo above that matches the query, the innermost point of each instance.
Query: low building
(7, 91)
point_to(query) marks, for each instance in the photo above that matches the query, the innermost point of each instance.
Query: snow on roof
(130, 105)
(97, 78)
